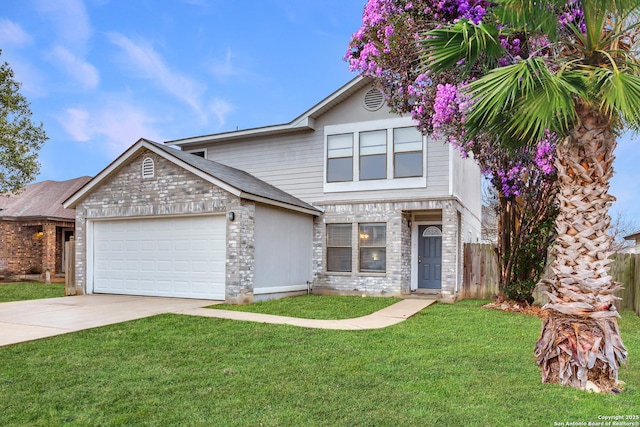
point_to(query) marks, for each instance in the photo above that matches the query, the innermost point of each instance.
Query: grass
(29, 290)
(450, 365)
(316, 307)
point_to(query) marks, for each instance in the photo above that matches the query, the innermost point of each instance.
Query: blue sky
(100, 74)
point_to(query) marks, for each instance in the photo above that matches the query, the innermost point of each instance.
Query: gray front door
(429, 257)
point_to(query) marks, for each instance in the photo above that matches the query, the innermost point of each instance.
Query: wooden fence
(481, 276)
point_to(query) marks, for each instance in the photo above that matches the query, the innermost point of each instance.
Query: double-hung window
(373, 155)
(339, 247)
(407, 149)
(340, 157)
(373, 247)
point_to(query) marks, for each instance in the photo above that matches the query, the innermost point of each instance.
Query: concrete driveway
(29, 320)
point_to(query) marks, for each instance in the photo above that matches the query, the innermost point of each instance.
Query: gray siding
(295, 162)
(283, 250)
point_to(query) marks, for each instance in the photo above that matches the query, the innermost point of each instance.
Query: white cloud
(224, 68)
(148, 64)
(221, 109)
(13, 34)
(70, 19)
(82, 71)
(116, 125)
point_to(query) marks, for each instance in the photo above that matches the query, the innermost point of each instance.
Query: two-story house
(348, 198)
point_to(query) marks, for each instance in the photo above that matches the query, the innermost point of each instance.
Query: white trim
(89, 254)
(451, 153)
(278, 289)
(124, 157)
(390, 183)
(303, 121)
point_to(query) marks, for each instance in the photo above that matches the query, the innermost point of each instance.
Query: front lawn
(450, 365)
(316, 307)
(29, 290)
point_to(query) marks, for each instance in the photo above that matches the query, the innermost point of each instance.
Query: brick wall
(173, 191)
(397, 278)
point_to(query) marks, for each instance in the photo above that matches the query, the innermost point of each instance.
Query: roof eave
(306, 121)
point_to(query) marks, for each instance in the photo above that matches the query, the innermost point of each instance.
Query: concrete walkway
(22, 321)
(388, 316)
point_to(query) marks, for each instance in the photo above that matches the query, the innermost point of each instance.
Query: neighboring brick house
(34, 226)
(372, 207)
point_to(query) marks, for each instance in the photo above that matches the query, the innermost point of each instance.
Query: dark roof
(633, 236)
(41, 200)
(236, 178)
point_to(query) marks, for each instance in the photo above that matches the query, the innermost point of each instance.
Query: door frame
(414, 249)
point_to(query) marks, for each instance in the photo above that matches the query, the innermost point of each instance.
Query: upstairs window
(373, 155)
(407, 149)
(340, 158)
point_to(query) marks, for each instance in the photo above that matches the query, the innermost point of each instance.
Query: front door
(429, 257)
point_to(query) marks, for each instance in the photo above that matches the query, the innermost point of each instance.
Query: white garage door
(171, 257)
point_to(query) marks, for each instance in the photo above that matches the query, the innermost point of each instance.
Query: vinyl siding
(283, 250)
(295, 162)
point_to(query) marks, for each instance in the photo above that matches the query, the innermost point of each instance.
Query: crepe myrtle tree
(578, 77)
(20, 139)
(388, 49)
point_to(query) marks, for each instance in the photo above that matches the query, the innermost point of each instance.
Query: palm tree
(584, 85)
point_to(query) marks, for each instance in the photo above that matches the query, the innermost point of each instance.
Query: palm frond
(521, 101)
(530, 16)
(619, 95)
(464, 41)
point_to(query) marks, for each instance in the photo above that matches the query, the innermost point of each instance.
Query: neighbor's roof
(306, 121)
(633, 236)
(235, 181)
(41, 200)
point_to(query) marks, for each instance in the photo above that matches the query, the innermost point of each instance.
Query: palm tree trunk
(580, 343)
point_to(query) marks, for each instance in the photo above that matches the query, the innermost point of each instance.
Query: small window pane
(373, 259)
(401, 135)
(373, 167)
(374, 142)
(340, 145)
(373, 235)
(339, 259)
(340, 169)
(338, 234)
(408, 164)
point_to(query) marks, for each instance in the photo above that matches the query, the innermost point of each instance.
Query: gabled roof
(306, 121)
(41, 200)
(235, 181)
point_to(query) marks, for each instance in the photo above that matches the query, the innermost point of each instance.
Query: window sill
(375, 184)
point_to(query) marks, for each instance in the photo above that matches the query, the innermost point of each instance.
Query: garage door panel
(181, 257)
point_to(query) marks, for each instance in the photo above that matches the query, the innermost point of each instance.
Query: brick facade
(32, 247)
(173, 191)
(396, 215)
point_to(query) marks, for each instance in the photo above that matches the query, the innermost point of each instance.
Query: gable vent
(148, 168)
(373, 99)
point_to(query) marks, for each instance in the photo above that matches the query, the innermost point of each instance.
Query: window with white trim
(373, 155)
(339, 247)
(148, 168)
(385, 154)
(340, 157)
(407, 152)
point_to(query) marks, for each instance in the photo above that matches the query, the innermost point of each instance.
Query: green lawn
(316, 307)
(29, 290)
(450, 365)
